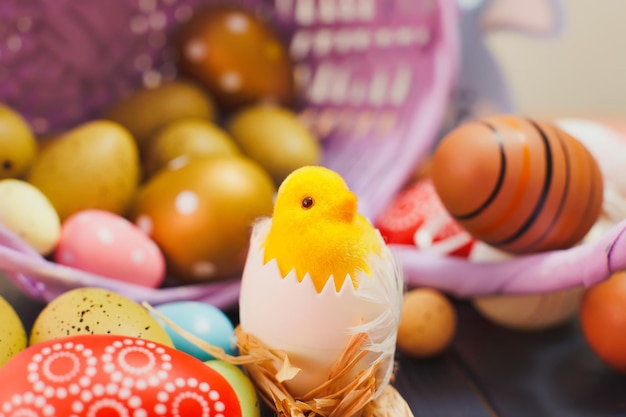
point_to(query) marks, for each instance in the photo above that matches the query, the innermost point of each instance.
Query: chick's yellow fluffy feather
(316, 229)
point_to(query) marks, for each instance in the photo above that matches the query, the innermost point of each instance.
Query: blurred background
(580, 72)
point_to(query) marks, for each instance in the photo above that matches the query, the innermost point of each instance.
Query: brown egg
(237, 56)
(517, 184)
(427, 323)
(200, 214)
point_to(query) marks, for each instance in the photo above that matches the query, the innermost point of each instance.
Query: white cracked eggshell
(314, 328)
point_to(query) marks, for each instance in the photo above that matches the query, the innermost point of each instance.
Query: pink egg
(107, 244)
(112, 375)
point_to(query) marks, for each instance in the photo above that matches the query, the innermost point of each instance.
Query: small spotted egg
(113, 375)
(427, 323)
(517, 184)
(12, 333)
(107, 244)
(89, 310)
(204, 321)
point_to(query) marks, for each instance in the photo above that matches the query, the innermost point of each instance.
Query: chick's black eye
(307, 202)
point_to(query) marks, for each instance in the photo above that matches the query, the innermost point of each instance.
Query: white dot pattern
(125, 378)
(186, 202)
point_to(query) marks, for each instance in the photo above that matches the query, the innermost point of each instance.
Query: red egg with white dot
(107, 244)
(112, 375)
(200, 214)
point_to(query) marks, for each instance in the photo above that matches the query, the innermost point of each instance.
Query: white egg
(27, 212)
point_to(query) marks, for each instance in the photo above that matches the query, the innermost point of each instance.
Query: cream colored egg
(90, 310)
(427, 323)
(312, 328)
(28, 213)
(12, 333)
(524, 312)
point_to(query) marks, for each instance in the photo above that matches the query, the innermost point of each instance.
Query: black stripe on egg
(545, 190)
(498, 186)
(567, 163)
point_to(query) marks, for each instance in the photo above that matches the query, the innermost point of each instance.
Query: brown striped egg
(518, 184)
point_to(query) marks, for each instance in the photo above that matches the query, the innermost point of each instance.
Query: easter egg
(417, 217)
(112, 375)
(200, 214)
(107, 244)
(147, 110)
(276, 138)
(93, 166)
(204, 321)
(18, 146)
(517, 184)
(12, 333)
(427, 323)
(242, 385)
(27, 212)
(603, 319)
(88, 310)
(524, 312)
(236, 55)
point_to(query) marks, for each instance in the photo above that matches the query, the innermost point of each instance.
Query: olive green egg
(18, 146)
(94, 166)
(90, 310)
(187, 138)
(275, 138)
(12, 333)
(146, 110)
(246, 393)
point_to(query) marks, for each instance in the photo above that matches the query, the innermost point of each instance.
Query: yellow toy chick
(322, 292)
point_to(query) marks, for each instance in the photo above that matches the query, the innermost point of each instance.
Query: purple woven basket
(378, 75)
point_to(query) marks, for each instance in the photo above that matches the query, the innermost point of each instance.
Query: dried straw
(269, 369)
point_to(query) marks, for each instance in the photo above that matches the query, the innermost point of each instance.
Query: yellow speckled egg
(12, 333)
(18, 146)
(517, 184)
(200, 214)
(28, 213)
(90, 310)
(427, 323)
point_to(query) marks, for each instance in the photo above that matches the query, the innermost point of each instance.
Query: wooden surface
(489, 371)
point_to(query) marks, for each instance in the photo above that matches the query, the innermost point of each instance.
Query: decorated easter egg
(200, 214)
(517, 184)
(417, 217)
(89, 310)
(202, 320)
(236, 55)
(107, 244)
(12, 332)
(112, 375)
(28, 213)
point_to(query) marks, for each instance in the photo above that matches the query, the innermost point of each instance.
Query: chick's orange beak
(348, 207)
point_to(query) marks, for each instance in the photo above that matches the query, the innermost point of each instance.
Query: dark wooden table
(488, 371)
